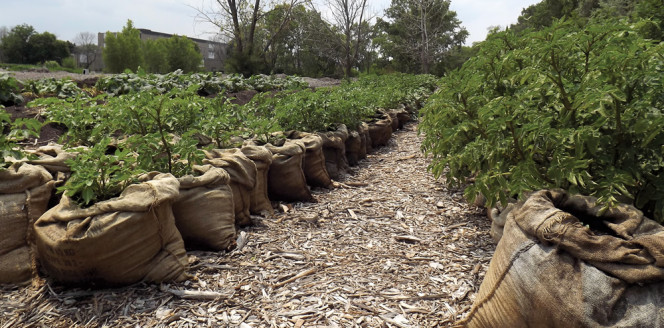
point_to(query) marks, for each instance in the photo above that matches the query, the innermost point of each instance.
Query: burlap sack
(380, 131)
(395, 120)
(243, 174)
(366, 138)
(24, 193)
(353, 146)
(53, 158)
(313, 166)
(563, 263)
(334, 150)
(365, 141)
(262, 157)
(402, 115)
(204, 210)
(498, 217)
(286, 180)
(121, 241)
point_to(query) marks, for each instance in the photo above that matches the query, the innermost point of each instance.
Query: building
(214, 53)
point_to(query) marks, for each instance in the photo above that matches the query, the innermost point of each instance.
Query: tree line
(338, 38)
(23, 45)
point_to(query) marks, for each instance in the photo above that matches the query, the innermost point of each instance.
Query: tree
(237, 21)
(348, 17)
(123, 50)
(182, 53)
(87, 48)
(15, 47)
(45, 46)
(156, 59)
(420, 34)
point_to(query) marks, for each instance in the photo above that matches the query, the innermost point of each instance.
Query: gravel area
(39, 75)
(390, 247)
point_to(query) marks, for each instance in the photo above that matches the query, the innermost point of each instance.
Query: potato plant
(572, 106)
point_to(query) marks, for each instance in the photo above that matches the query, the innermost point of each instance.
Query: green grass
(26, 67)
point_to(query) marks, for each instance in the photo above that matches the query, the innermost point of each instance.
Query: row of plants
(207, 83)
(128, 134)
(574, 106)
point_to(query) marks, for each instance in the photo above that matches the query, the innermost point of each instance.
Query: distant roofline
(145, 30)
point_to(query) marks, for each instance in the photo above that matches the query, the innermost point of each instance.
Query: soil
(390, 246)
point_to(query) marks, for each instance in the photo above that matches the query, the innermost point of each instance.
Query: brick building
(214, 53)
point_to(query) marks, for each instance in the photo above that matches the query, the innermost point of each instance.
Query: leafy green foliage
(575, 107)
(9, 91)
(123, 50)
(23, 45)
(13, 132)
(63, 88)
(97, 175)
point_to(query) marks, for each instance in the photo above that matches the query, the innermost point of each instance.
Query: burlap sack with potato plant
(315, 170)
(286, 180)
(262, 158)
(565, 262)
(380, 130)
(334, 150)
(204, 210)
(243, 174)
(120, 241)
(24, 194)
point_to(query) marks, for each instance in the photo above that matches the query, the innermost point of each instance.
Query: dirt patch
(391, 246)
(242, 97)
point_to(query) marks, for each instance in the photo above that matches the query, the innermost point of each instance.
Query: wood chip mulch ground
(390, 247)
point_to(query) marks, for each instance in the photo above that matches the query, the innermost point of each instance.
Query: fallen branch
(296, 277)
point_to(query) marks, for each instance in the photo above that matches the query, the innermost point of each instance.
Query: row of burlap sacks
(565, 260)
(143, 234)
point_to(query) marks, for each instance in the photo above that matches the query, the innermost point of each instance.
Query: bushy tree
(156, 59)
(123, 50)
(86, 46)
(182, 53)
(45, 47)
(15, 46)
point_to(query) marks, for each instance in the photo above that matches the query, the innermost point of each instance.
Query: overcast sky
(66, 18)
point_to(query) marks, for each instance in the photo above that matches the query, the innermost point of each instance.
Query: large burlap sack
(262, 157)
(334, 150)
(121, 241)
(562, 262)
(24, 194)
(243, 173)
(365, 141)
(204, 210)
(286, 180)
(313, 166)
(380, 131)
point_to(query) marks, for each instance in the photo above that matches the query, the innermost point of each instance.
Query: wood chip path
(390, 247)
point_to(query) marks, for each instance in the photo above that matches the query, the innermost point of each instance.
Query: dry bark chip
(24, 194)
(120, 241)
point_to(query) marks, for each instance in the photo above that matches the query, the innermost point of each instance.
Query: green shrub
(575, 107)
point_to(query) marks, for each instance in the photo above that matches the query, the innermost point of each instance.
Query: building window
(210, 46)
(210, 54)
(83, 58)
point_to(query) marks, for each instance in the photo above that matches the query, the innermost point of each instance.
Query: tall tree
(182, 53)
(419, 34)
(86, 47)
(349, 17)
(123, 50)
(45, 46)
(237, 21)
